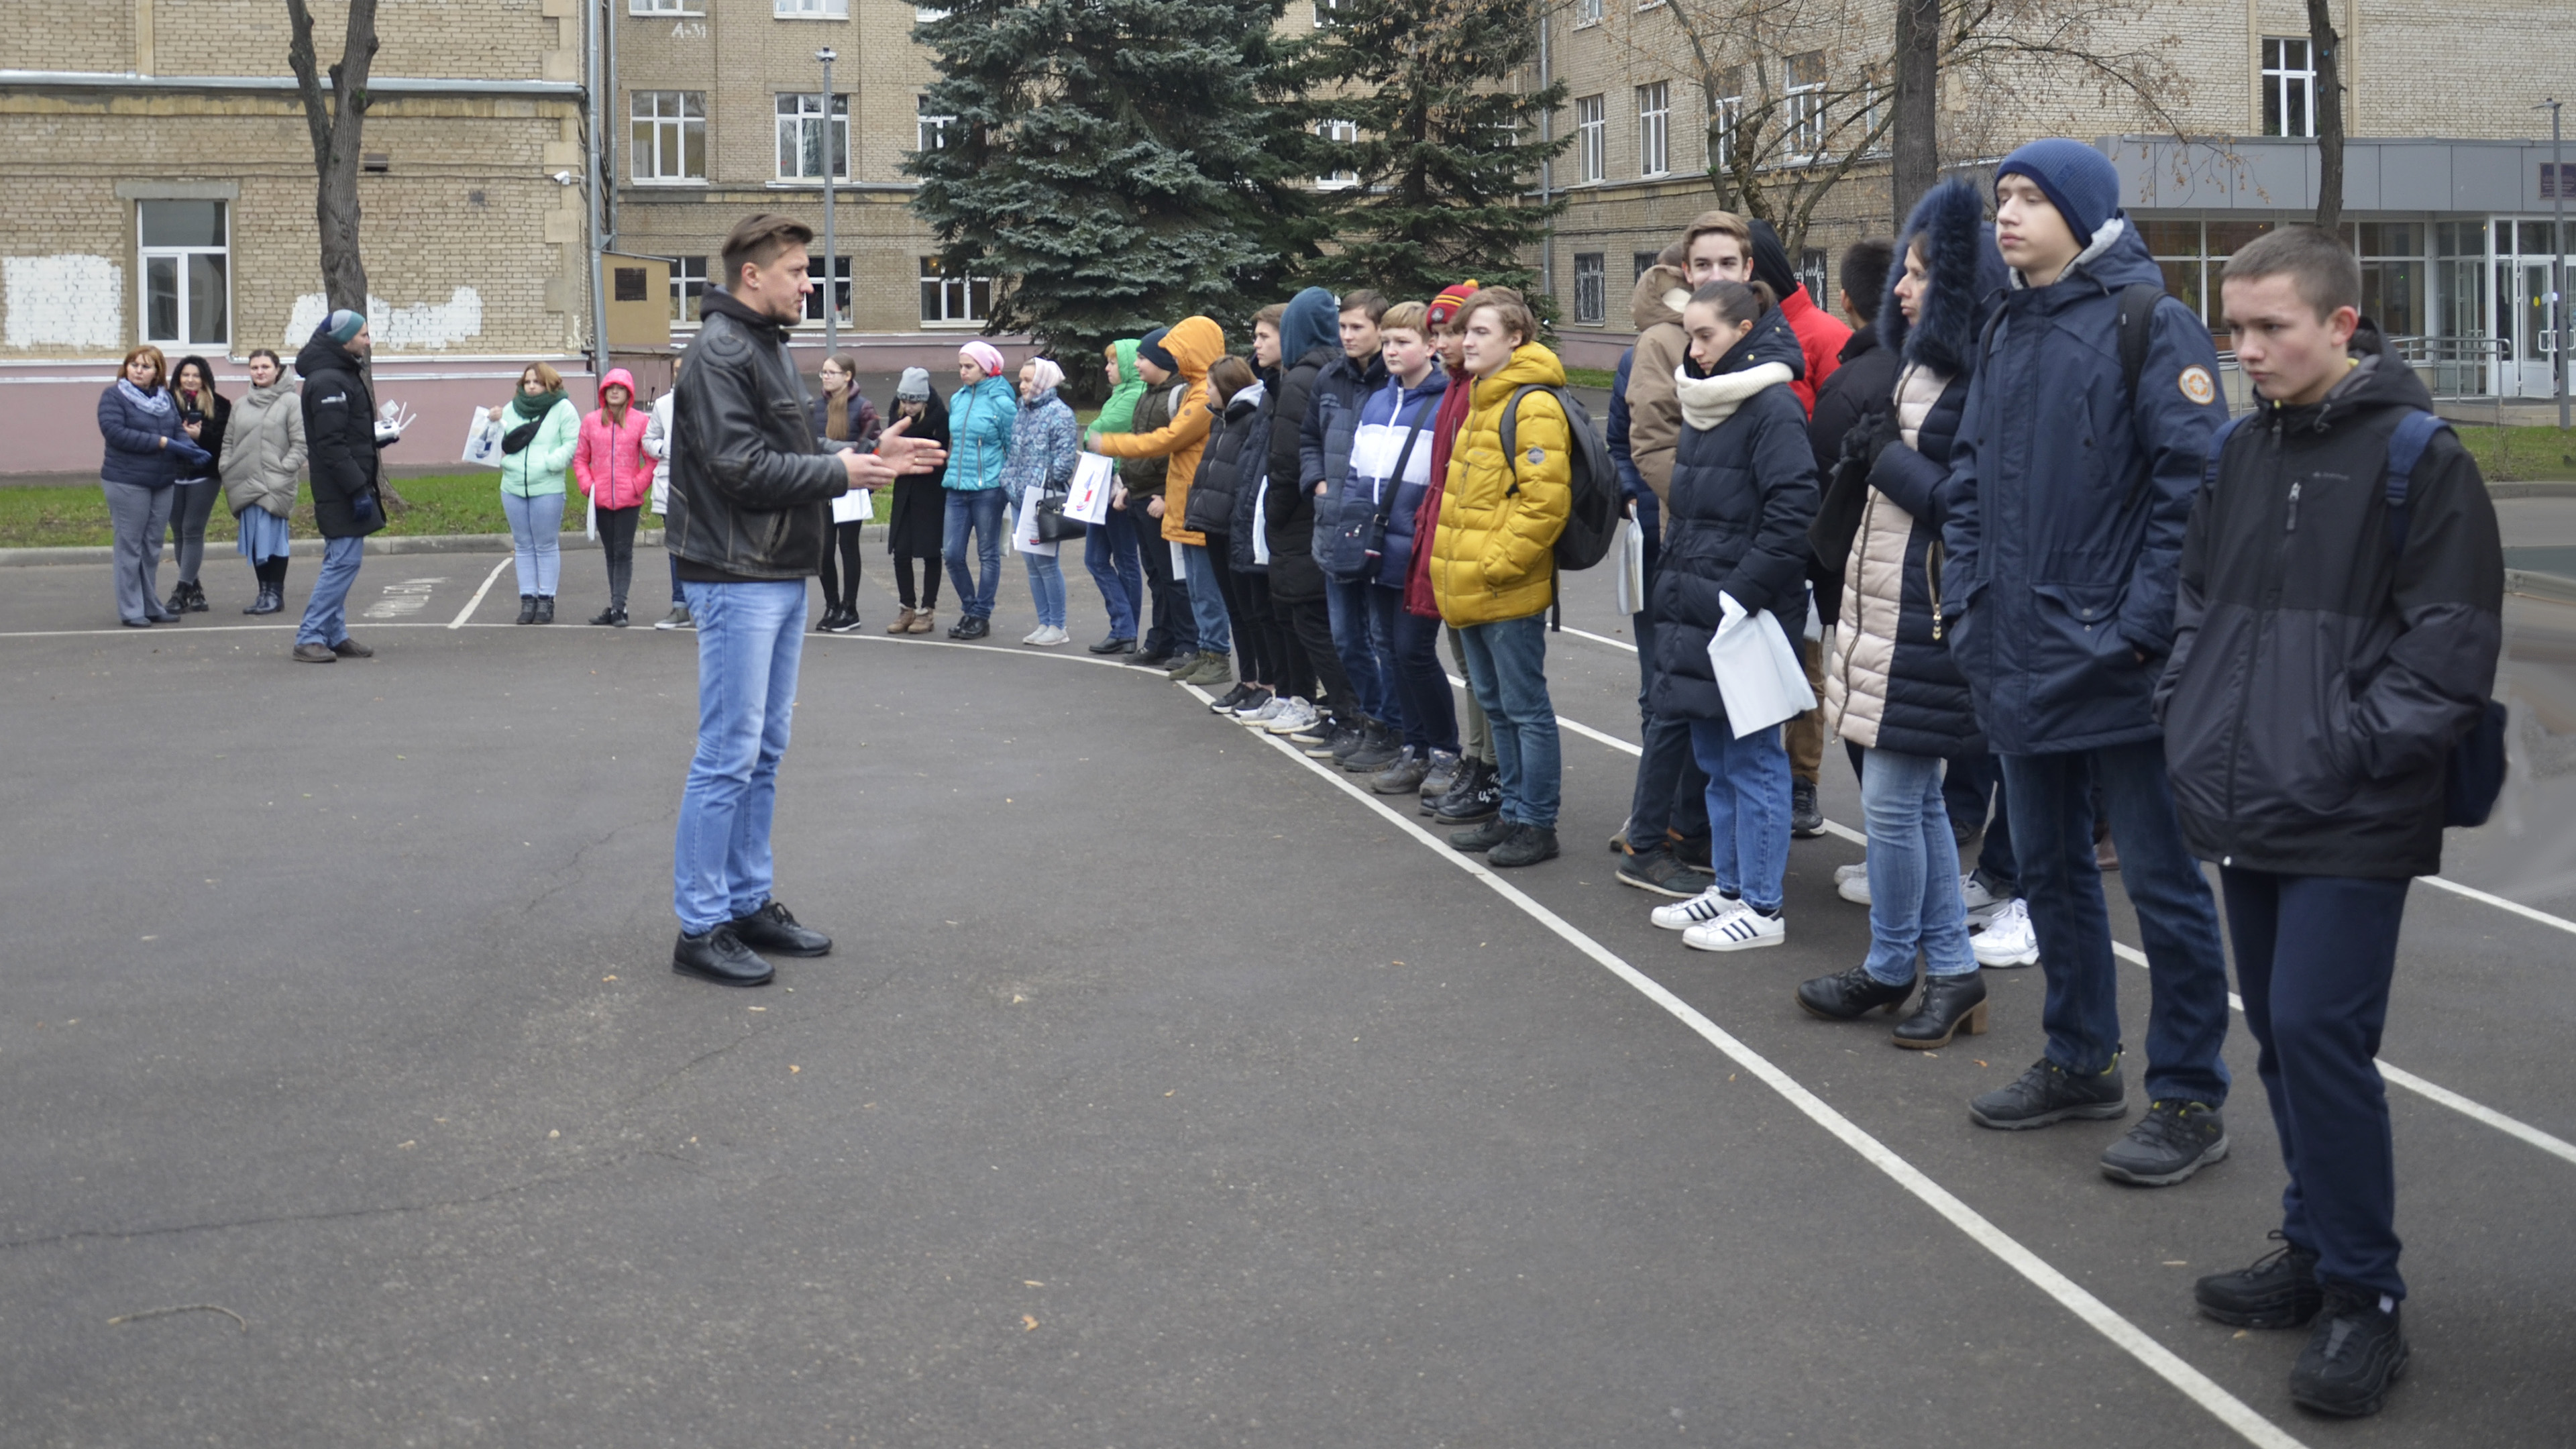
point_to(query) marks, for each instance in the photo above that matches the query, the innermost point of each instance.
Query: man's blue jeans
(1207, 601)
(1429, 715)
(326, 614)
(1507, 667)
(1109, 551)
(1748, 809)
(750, 639)
(1372, 684)
(2050, 797)
(1914, 900)
(979, 510)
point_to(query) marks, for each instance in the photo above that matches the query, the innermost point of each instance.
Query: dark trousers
(271, 572)
(1250, 659)
(2314, 955)
(1424, 707)
(903, 589)
(1669, 802)
(1290, 674)
(841, 574)
(617, 543)
(192, 503)
(1170, 627)
(1965, 789)
(2052, 809)
(1312, 624)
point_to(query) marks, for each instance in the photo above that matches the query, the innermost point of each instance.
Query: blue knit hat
(1150, 348)
(343, 325)
(2079, 181)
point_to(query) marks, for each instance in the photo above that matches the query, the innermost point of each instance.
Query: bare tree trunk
(335, 122)
(1917, 63)
(2323, 44)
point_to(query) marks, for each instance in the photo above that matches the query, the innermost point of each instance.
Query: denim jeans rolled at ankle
(1748, 809)
(2051, 797)
(1507, 667)
(977, 511)
(1914, 901)
(1046, 588)
(751, 639)
(536, 540)
(1109, 552)
(1214, 628)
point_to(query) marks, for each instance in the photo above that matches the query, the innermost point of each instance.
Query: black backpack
(1592, 520)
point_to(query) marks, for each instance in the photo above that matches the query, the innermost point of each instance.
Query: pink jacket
(610, 462)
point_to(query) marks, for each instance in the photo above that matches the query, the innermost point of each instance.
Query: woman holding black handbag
(1045, 445)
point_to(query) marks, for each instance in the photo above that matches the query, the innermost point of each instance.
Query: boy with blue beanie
(2066, 505)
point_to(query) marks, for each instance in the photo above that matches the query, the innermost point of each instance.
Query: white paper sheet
(1024, 534)
(1093, 479)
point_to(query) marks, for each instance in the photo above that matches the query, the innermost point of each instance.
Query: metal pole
(608, 129)
(2558, 260)
(831, 264)
(593, 181)
(1546, 165)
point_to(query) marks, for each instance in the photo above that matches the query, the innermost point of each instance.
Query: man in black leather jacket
(749, 516)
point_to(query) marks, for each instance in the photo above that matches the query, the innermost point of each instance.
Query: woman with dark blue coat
(147, 447)
(1891, 687)
(1735, 531)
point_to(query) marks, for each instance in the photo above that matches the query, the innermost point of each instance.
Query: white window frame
(814, 300)
(2282, 81)
(688, 282)
(179, 258)
(1591, 288)
(1812, 276)
(1655, 129)
(956, 306)
(1325, 11)
(810, 9)
(1592, 137)
(1721, 132)
(1345, 133)
(930, 131)
(645, 118)
(666, 7)
(1586, 13)
(839, 110)
(1803, 106)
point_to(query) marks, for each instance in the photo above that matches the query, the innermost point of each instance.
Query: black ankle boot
(1950, 1004)
(527, 608)
(545, 608)
(1850, 995)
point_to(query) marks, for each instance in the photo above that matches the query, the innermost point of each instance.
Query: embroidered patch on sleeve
(2196, 385)
(1537, 456)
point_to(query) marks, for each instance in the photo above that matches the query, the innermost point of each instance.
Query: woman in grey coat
(263, 456)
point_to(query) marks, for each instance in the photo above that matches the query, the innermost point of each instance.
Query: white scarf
(1709, 401)
(156, 402)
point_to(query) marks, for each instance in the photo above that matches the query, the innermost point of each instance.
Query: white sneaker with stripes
(2008, 939)
(1740, 930)
(1708, 905)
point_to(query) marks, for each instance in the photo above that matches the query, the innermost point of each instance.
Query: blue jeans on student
(1507, 667)
(1425, 711)
(2052, 827)
(1109, 551)
(2314, 955)
(326, 614)
(750, 640)
(1914, 901)
(1046, 588)
(1372, 687)
(980, 511)
(1207, 601)
(536, 540)
(1748, 809)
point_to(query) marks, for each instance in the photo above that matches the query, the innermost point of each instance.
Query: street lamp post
(831, 164)
(2558, 259)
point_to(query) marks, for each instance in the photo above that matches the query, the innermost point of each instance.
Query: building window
(1591, 297)
(1804, 76)
(1586, 12)
(665, 7)
(812, 9)
(187, 273)
(924, 14)
(2393, 275)
(1654, 129)
(1325, 12)
(931, 132)
(1811, 274)
(1644, 261)
(2558, 181)
(947, 297)
(688, 287)
(670, 135)
(1338, 133)
(2289, 87)
(1592, 136)
(801, 137)
(1725, 120)
(840, 291)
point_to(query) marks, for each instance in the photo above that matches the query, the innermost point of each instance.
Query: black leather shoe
(1115, 644)
(721, 957)
(1526, 845)
(545, 608)
(1950, 1005)
(527, 608)
(1850, 995)
(352, 649)
(1150, 658)
(2280, 1290)
(2354, 1353)
(1478, 795)
(772, 929)
(604, 617)
(1483, 837)
(2049, 1093)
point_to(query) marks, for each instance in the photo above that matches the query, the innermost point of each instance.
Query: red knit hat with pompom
(1446, 305)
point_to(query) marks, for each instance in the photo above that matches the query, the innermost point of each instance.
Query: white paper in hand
(1758, 674)
(483, 441)
(1093, 479)
(856, 506)
(1631, 578)
(1024, 534)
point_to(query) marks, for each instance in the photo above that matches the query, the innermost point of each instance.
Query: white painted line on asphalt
(2195, 1385)
(1577, 726)
(2462, 1105)
(2500, 903)
(1598, 638)
(468, 611)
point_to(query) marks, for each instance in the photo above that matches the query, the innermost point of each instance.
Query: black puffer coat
(1252, 467)
(1220, 472)
(340, 440)
(2317, 685)
(1735, 522)
(1289, 511)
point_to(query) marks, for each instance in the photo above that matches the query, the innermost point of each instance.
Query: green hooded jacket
(1118, 415)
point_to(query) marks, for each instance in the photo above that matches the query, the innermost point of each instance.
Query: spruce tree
(1115, 164)
(1446, 155)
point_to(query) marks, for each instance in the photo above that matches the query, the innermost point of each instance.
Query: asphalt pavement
(1161, 1090)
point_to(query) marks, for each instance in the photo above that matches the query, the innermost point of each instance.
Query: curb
(2546, 488)
(377, 544)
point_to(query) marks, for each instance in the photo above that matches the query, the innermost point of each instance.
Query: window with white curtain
(670, 135)
(803, 134)
(187, 272)
(1654, 129)
(1592, 136)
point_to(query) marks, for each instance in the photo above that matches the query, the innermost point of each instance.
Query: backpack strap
(2406, 449)
(1405, 455)
(2137, 328)
(2218, 446)
(1510, 429)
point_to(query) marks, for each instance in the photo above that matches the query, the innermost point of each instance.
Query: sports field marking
(468, 611)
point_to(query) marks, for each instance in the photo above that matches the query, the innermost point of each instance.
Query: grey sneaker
(1403, 777)
(2048, 1093)
(2174, 1140)
(1213, 671)
(1442, 774)
(678, 618)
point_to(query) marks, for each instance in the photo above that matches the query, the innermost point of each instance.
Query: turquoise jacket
(979, 434)
(538, 469)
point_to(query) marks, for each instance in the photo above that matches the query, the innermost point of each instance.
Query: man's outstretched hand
(896, 454)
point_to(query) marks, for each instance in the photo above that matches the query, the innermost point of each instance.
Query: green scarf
(1118, 415)
(533, 408)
